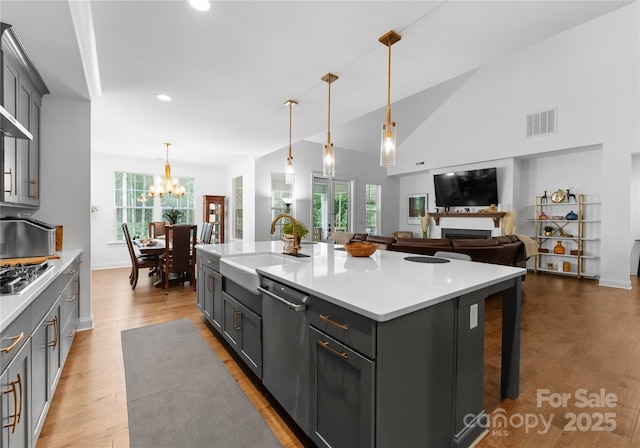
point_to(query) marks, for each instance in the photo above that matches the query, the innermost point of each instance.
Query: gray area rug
(179, 394)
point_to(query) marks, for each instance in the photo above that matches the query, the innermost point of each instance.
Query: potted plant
(548, 230)
(301, 229)
(173, 215)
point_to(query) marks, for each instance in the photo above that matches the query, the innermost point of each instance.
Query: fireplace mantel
(496, 216)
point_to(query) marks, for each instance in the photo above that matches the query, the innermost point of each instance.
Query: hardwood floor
(575, 335)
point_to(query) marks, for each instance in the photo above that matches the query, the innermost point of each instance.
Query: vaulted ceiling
(229, 70)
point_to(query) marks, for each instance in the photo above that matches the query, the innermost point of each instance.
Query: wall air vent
(542, 123)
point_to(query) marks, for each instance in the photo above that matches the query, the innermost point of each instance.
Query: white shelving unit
(580, 237)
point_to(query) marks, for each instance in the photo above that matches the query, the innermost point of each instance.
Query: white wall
(307, 156)
(65, 159)
(106, 252)
(423, 183)
(590, 73)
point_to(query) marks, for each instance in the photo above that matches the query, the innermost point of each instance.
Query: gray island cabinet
(379, 352)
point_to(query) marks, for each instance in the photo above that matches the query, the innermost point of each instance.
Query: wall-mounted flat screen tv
(466, 188)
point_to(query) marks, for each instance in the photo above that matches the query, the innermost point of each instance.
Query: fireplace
(461, 234)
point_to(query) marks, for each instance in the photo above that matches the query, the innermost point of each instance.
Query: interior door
(332, 206)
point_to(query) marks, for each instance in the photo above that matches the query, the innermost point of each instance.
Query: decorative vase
(548, 233)
(571, 216)
(559, 248)
(425, 234)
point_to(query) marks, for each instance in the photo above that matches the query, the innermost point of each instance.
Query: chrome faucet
(296, 247)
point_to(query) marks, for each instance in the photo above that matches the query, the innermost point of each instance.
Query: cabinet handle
(10, 173)
(34, 182)
(209, 282)
(71, 272)
(328, 320)
(54, 322)
(17, 413)
(236, 313)
(326, 345)
(71, 298)
(16, 341)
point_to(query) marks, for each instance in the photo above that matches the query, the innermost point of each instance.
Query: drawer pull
(54, 343)
(10, 190)
(326, 345)
(17, 412)
(16, 341)
(328, 320)
(71, 272)
(71, 298)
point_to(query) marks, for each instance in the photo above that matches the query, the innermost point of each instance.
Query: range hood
(11, 127)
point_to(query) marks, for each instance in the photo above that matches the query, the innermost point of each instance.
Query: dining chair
(138, 261)
(156, 228)
(205, 235)
(180, 255)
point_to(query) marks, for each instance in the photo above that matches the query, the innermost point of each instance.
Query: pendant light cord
(389, 86)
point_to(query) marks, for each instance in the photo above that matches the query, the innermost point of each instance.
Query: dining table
(152, 246)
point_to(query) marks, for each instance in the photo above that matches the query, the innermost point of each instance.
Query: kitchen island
(379, 351)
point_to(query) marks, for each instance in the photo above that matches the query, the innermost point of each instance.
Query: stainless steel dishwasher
(285, 345)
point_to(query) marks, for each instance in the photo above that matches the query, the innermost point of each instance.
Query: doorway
(332, 208)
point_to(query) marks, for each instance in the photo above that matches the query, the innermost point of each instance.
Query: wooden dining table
(155, 248)
(152, 247)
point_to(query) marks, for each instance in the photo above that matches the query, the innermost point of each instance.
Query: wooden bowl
(360, 249)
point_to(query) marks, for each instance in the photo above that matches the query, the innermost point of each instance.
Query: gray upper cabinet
(20, 104)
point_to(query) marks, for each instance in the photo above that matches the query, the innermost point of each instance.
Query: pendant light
(388, 141)
(290, 172)
(329, 157)
(167, 185)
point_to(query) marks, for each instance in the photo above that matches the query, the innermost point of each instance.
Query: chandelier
(388, 140)
(168, 185)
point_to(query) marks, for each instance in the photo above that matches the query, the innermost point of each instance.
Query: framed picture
(417, 207)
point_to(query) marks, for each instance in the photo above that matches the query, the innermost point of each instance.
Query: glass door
(332, 206)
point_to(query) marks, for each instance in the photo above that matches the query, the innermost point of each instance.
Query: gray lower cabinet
(209, 290)
(242, 328)
(34, 348)
(45, 365)
(342, 394)
(15, 399)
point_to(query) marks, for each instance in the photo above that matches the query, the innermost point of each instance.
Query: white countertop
(11, 305)
(383, 286)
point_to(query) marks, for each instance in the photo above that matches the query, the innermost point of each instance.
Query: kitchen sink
(242, 268)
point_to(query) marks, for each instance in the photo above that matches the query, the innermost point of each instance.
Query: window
(134, 206)
(236, 187)
(372, 211)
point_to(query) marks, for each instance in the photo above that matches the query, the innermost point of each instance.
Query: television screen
(466, 188)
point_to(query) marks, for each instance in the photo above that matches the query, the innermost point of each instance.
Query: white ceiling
(230, 69)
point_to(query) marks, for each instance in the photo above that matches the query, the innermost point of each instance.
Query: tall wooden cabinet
(214, 213)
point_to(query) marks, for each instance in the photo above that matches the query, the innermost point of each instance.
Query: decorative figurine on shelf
(543, 216)
(491, 209)
(544, 199)
(571, 195)
(559, 248)
(571, 216)
(564, 234)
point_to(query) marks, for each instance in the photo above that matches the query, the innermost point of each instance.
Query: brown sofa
(506, 250)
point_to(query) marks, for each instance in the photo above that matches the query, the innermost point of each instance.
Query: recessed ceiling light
(200, 5)
(163, 97)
